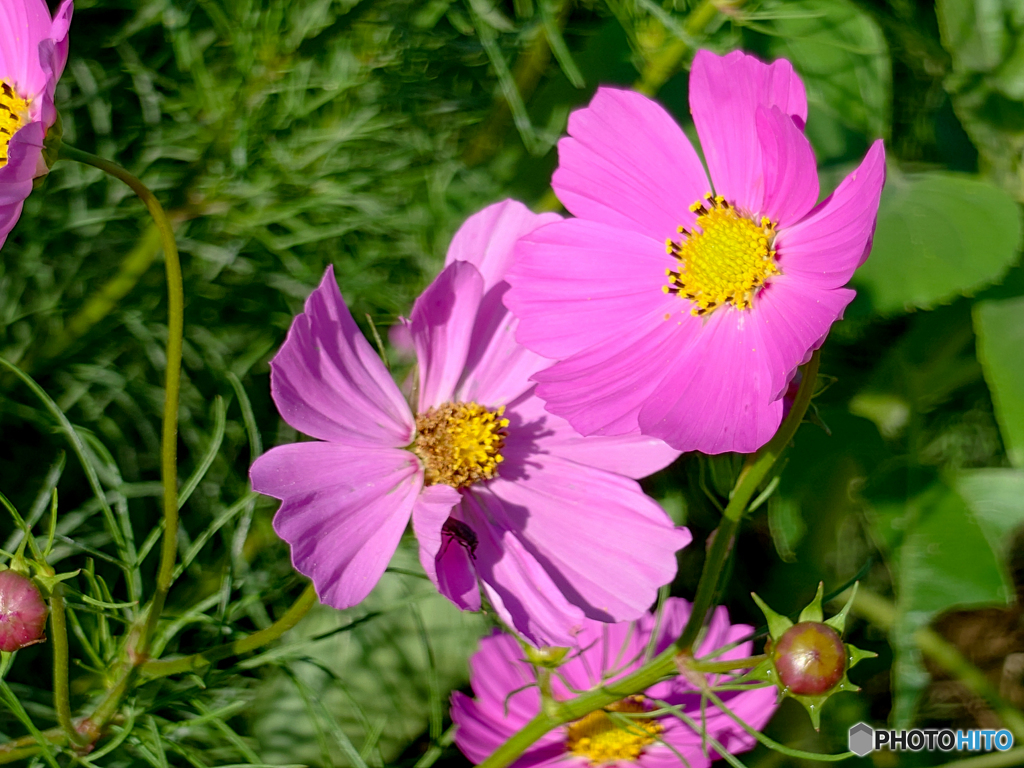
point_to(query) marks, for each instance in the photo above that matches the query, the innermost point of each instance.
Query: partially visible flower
(507, 697)
(33, 51)
(22, 612)
(502, 495)
(679, 306)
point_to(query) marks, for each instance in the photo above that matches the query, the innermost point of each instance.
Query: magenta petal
(632, 455)
(717, 395)
(486, 238)
(790, 170)
(328, 382)
(628, 164)
(576, 283)
(795, 315)
(344, 510)
(441, 324)
(447, 562)
(498, 368)
(602, 389)
(517, 586)
(725, 92)
(609, 558)
(24, 24)
(431, 509)
(23, 155)
(829, 244)
(9, 215)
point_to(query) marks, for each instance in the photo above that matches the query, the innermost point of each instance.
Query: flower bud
(809, 658)
(22, 612)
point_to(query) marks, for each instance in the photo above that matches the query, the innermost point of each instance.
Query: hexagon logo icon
(861, 739)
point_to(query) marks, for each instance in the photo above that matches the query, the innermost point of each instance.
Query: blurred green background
(286, 135)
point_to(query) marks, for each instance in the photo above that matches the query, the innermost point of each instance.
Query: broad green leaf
(939, 236)
(999, 326)
(842, 56)
(985, 40)
(941, 558)
(996, 499)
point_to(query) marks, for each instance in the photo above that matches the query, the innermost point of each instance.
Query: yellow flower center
(13, 115)
(602, 740)
(460, 443)
(724, 260)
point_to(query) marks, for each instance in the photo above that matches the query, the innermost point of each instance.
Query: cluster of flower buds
(808, 661)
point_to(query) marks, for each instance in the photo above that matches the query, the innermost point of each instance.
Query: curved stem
(754, 472)
(292, 616)
(664, 665)
(660, 68)
(172, 385)
(61, 694)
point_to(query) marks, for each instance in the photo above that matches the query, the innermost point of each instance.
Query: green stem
(754, 472)
(660, 68)
(665, 664)
(163, 668)
(172, 385)
(883, 614)
(61, 693)
(713, 667)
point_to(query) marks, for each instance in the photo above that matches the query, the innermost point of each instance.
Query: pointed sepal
(813, 610)
(777, 623)
(838, 622)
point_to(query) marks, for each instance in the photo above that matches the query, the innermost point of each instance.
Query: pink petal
(517, 586)
(448, 562)
(486, 238)
(498, 368)
(23, 155)
(609, 557)
(59, 34)
(790, 170)
(794, 315)
(634, 456)
(829, 244)
(328, 382)
(431, 509)
(441, 324)
(628, 164)
(24, 24)
(725, 92)
(344, 510)
(9, 215)
(576, 283)
(716, 394)
(601, 390)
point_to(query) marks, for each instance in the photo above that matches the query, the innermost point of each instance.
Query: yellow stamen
(602, 740)
(13, 115)
(460, 443)
(724, 260)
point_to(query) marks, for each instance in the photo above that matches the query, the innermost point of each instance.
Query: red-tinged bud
(809, 658)
(22, 612)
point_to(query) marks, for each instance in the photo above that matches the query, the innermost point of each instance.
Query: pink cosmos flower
(507, 698)
(501, 494)
(33, 51)
(679, 306)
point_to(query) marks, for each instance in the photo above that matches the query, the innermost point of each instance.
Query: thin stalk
(665, 665)
(754, 472)
(59, 640)
(712, 667)
(291, 617)
(172, 384)
(660, 68)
